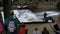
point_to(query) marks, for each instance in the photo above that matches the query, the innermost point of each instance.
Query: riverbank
(31, 27)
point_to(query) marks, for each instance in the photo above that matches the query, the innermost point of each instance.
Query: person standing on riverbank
(23, 30)
(1, 27)
(36, 31)
(11, 24)
(45, 31)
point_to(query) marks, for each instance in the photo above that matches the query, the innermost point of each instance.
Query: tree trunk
(6, 8)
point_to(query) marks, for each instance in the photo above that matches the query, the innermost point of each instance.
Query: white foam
(28, 16)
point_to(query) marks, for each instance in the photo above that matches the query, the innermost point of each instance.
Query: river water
(26, 15)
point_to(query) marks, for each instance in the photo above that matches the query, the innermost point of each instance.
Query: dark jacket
(45, 32)
(56, 27)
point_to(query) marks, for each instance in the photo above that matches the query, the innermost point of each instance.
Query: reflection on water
(28, 16)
